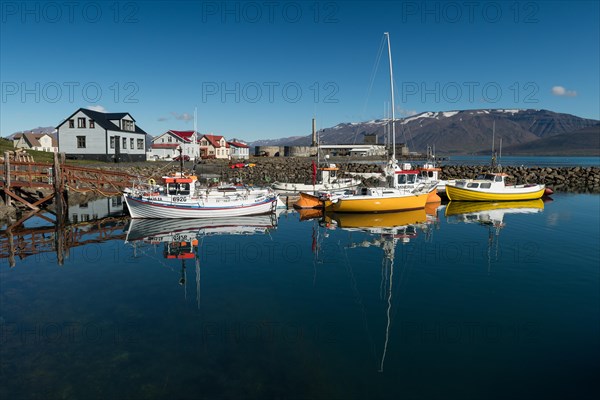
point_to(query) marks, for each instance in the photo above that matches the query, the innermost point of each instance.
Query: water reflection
(384, 231)
(181, 239)
(490, 215)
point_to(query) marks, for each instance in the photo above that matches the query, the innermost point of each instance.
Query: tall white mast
(392, 93)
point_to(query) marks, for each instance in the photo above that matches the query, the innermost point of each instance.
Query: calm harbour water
(474, 302)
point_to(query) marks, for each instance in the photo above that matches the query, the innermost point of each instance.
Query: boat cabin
(179, 186)
(429, 172)
(327, 174)
(483, 181)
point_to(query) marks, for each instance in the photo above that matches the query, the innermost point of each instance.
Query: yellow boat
(492, 187)
(377, 200)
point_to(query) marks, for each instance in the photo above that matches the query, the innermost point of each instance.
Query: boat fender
(151, 181)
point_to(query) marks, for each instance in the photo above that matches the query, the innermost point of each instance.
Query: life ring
(151, 182)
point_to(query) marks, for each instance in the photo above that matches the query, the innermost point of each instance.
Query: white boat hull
(141, 207)
(319, 187)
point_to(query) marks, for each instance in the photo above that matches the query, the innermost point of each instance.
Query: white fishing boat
(325, 178)
(181, 196)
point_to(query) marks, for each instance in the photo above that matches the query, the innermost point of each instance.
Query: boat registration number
(179, 199)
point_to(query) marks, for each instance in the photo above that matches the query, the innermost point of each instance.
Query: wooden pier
(19, 241)
(58, 178)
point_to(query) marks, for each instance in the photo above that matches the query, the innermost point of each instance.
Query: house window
(81, 142)
(131, 141)
(140, 144)
(112, 142)
(92, 124)
(169, 139)
(124, 146)
(81, 122)
(127, 125)
(71, 123)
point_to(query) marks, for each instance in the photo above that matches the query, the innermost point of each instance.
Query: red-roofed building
(166, 146)
(213, 146)
(239, 150)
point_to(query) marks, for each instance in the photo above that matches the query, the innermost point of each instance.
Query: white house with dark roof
(94, 135)
(166, 146)
(35, 141)
(238, 150)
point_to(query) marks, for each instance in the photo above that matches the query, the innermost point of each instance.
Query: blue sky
(260, 70)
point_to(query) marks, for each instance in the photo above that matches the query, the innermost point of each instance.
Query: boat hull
(361, 204)
(140, 207)
(510, 194)
(308, 201)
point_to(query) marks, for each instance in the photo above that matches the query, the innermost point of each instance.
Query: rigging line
(359, 301)
(387, 330)
(373, 73)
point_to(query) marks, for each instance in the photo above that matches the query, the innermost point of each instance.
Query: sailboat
(384, 199)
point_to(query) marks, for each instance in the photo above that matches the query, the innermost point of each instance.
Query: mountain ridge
(456, 131)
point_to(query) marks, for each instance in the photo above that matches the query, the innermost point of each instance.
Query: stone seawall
(560, 179)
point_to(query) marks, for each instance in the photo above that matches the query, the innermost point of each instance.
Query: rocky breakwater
(559, 179)
(271, 170)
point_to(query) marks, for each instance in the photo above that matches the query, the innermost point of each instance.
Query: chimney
(314, 133)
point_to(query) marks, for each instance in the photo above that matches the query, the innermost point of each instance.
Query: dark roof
(103, 119)
(238, 144)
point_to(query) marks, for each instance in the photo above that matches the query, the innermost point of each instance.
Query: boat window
(498, 179)
(363, 191)
(411, 178)
(486, 185)
(171, 188)
(184, 188)
(402, 179)
(473, 185)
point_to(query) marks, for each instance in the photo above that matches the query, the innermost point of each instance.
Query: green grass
(38, 156)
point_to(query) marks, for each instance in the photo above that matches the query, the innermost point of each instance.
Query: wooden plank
(19, 198)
